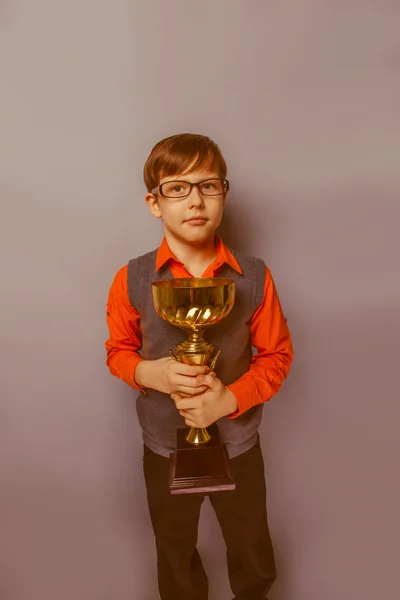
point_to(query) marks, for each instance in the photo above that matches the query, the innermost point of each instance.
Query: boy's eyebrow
(183, 178)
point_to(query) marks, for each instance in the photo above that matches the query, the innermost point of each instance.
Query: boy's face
(192, 219)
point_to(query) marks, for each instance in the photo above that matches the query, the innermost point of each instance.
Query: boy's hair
(182, 153)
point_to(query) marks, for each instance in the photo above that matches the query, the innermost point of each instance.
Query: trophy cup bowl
(194, 304)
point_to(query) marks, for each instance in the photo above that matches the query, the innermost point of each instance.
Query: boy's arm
(123, 359)
(270, 366)
(125, 339)
(268, 369)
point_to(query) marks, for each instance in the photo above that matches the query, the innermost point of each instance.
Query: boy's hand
(207, 407)
(171, 377)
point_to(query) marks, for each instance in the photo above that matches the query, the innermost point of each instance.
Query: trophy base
(199, 469)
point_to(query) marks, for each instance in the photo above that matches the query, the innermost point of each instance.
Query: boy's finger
(186, 403)
(191, 391)
(192, 370)
(183, 381)
(207, 379)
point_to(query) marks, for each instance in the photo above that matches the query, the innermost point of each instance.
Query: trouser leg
(175, 518)
(242, 516)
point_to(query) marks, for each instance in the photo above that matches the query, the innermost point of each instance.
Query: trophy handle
(214, 360)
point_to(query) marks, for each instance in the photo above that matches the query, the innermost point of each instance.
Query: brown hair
(181, 153)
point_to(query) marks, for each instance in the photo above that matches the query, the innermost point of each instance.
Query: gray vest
(157, 413)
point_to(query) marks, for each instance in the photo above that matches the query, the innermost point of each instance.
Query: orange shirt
(269, 333)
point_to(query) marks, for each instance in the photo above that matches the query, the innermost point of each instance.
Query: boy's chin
(197, 236)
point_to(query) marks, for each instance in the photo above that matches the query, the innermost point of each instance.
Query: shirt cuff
(130, 363)
(244, 391)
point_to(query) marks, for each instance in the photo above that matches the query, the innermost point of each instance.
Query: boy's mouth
(196, 220)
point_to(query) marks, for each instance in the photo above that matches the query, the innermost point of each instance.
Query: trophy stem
(198, 436)
(194, 350)
(195, 336)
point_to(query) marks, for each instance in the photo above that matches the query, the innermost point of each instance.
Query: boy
(185, 176)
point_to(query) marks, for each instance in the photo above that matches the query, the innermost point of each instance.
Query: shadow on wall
(241, 227)
(334, 259)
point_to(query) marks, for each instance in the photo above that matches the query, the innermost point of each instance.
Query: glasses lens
(213, 187)
(180, 189)
(175, 189)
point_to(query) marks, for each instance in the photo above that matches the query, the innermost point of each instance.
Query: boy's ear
(153, 205)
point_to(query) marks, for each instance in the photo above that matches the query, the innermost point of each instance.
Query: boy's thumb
(207, 379)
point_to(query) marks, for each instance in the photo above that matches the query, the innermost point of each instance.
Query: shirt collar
(223, 255)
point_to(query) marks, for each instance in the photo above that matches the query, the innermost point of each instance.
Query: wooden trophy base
(199, 469)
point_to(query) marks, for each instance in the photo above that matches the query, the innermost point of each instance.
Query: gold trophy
(199, 463)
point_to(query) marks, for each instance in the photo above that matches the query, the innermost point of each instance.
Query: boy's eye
(175, 189)
(212, 187)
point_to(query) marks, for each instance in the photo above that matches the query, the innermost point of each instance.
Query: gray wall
(303, 98)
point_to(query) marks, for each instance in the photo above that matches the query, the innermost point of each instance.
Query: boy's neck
(196, 257)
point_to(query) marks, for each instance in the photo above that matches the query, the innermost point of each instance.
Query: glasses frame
(158, 189)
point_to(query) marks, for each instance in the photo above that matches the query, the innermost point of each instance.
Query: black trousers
(242, 516)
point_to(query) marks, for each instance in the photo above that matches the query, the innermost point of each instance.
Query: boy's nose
(195, 199)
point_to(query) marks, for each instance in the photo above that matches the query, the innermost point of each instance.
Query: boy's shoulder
(144, 257)
(246, 260)
(142, 266)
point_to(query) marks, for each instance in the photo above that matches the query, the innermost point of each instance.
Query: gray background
(303, 97)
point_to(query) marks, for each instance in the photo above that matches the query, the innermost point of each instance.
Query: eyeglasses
(181, 189)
